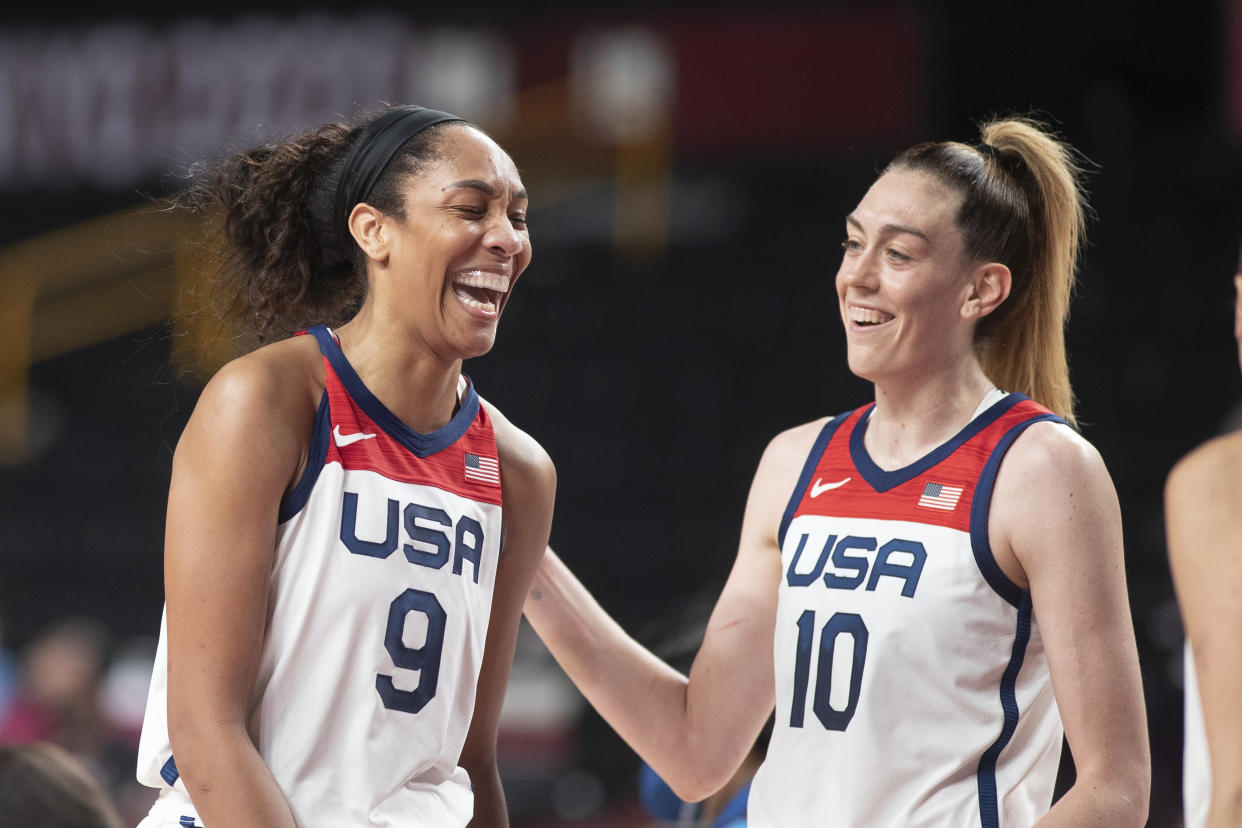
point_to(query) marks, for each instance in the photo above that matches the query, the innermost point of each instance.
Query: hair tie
(371, 152)
(989, 151)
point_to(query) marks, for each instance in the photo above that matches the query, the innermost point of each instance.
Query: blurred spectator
(58, 698)
(57, 691)
(122, 702)
(45, 786)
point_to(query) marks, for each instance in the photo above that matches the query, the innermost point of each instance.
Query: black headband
(371, 152)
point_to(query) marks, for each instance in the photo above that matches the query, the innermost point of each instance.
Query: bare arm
(693, 731)
(1203, 509)
(529, 481)
(1066, 540)
(233, 462)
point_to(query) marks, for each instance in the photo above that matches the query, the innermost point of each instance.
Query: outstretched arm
(1065, 538)
(1203, 519)
(529, 490)
(694, 731)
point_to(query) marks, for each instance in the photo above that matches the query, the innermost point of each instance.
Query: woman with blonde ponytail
(929, 589)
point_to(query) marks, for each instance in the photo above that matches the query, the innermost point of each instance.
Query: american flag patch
(940, 496)
(482, 469)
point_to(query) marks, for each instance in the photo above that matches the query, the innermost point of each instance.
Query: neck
(414, 383)
(910, 419)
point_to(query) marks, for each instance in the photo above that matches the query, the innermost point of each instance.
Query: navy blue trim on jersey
(979, 508)
(296, 498)
(989, 808)
(421, 445)
(169, 772)
(882, 480)
(808, 469)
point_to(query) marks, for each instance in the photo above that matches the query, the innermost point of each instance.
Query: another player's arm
(231, 466)
(1055, 512)
(1203, 508)
(695, 731)
(529, 481)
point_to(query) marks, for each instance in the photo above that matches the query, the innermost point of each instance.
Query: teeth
(483, 279)
(488, 306)
(868, 316)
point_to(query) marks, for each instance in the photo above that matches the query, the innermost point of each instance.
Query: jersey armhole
(979, 542)
(808, 469)
(296, 498)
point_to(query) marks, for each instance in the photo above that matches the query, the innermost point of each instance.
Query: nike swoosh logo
(343, 440)
(819, 487)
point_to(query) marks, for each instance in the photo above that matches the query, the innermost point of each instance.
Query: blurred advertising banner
(122, 104)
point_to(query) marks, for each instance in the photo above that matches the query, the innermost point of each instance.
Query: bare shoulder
(275, 382)
(1212, 467)
(1054, 499)
(259, 406)
(1049, 451)
(523, 460)
(775, 480)
(789, 448)
(1203, 502)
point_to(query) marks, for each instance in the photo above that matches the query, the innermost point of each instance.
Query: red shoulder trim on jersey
(469, 467)
(939, 495)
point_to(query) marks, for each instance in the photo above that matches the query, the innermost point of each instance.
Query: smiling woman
(339, 623)
(930, 588)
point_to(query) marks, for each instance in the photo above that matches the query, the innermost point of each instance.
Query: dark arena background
(690, 166)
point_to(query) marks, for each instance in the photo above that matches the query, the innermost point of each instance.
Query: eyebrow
(485, 188)
(891, 228)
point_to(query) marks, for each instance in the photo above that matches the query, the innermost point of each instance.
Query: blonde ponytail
(1022, 206)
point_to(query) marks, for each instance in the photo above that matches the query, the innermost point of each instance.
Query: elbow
(1131, 792)
(1137, 788)
(697, 766)
(198, 743)
(482, 768)
(691, 790)
(191, 748)
(1138, 800)
(697, 780)
(1124, 793)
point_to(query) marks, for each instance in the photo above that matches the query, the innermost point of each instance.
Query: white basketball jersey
(912, 687)
(1196, 765)
(380, 595)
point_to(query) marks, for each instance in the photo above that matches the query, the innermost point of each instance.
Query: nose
(858, 271)
(504, 238)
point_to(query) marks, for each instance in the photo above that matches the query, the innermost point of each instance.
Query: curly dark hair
(275, 261)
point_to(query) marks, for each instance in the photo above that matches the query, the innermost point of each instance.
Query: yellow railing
(88, 283)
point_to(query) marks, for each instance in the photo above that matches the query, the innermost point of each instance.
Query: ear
(366, 225)
(989, 286)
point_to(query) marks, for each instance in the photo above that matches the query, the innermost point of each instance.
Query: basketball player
(935, 579)
(1203, 511)
(339, 621)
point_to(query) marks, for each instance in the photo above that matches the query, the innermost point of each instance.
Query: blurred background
(690, 165)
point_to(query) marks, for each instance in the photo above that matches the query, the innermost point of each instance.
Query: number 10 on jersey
(843, 629)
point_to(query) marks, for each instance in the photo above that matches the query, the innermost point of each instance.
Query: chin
(861, 367)
(478, 346)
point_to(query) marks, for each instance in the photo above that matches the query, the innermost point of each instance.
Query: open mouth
(868, 317)
(481, 290)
